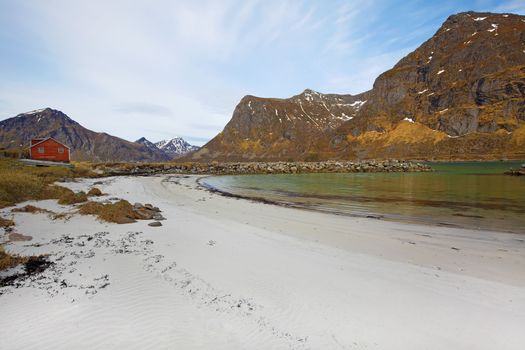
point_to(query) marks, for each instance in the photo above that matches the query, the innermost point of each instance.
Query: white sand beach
(226, 273)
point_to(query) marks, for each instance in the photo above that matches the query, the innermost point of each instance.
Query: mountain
(150, 145)
(271, 128)
(175, 147)
(171, 149)
(460, 95)
(85, 144)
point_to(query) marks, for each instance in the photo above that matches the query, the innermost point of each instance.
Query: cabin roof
(46, 139)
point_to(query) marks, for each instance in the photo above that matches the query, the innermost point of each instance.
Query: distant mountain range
(173, 148)
(85, 144)
(460, 95)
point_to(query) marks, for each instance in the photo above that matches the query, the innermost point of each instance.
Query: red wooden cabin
(48, 149)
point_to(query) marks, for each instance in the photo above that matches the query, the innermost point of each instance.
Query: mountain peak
(46, 110)
(171, 148)
(175, 147)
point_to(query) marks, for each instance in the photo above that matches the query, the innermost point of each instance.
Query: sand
(225, 273)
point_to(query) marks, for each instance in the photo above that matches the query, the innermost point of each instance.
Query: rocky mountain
(460, 95)
(271, 128)
(85, 144)
(150, 145)
(173, 148)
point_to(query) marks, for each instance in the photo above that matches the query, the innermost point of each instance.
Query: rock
(516, 172)
(138, 205)
(278, 168)
(158, 217)
(155, 224)
(143, 214)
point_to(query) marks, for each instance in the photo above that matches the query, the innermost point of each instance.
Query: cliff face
(85, 144)
(461, 94)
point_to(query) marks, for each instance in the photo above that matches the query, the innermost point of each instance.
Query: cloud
(143, 108)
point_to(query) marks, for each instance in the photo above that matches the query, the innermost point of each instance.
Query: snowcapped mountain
(173, 148)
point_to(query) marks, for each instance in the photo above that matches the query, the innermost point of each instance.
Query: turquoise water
(465, 194)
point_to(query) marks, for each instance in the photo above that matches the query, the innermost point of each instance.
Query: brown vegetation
(30, 209)
(69, 197)
(61, 216)
(7, 260)
(120, 212)
(94, 192)
(6, 222)
(19, 182)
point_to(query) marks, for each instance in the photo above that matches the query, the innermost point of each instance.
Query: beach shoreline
(333, 211)
(224, 272)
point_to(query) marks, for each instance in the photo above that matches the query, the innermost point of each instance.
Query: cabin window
(40, 149)
(60, 149)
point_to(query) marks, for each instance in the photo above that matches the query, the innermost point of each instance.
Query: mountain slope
(461, 94)
(150, 145)
(85, 144)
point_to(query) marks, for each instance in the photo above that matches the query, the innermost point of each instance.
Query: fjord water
(466, 194)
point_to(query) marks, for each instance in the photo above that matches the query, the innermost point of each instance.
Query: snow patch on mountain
(173, 148)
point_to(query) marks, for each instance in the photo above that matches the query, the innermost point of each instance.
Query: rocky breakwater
(216, 168)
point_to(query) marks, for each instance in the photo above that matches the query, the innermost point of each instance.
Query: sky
(166, 68)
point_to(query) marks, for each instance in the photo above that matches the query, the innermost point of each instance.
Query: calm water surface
(467, 194)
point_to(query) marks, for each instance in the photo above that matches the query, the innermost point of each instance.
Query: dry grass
(6, 222)
(31, 209)
(120, 212)
(61, 216)
(94, 192)
(8, 261)
(19, 182)
(69, 197)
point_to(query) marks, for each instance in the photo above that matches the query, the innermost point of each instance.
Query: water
(465, 194)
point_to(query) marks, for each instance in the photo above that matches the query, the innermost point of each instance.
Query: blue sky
(164, 68)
